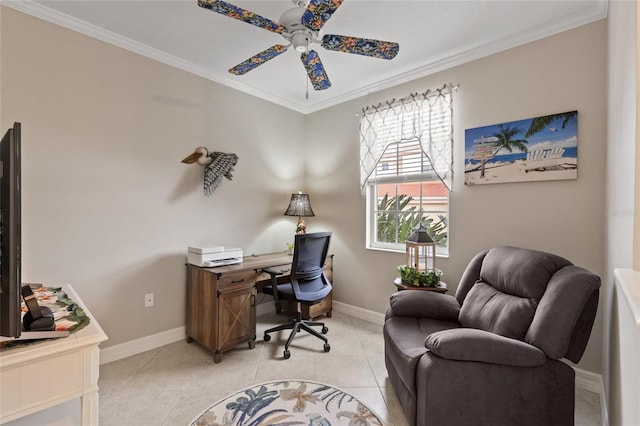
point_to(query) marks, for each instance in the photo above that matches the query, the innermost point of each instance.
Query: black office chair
(308, 285)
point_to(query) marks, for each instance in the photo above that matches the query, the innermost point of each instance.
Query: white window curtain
(425, 117)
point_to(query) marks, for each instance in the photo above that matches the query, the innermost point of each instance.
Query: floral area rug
(290, 402)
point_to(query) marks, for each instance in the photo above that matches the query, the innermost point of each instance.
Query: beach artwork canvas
(534, 149)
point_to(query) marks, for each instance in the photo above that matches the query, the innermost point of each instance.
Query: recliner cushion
(553, 329)
(520, 272)
(487, 308)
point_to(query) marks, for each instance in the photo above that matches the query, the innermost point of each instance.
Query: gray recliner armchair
(490, 355)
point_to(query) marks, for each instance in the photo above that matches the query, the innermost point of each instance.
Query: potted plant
(290, 247)
(409, 276)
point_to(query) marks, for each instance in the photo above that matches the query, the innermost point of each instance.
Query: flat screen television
(10, 234)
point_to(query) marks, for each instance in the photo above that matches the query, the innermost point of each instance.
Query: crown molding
(40, 11)
(462, 57)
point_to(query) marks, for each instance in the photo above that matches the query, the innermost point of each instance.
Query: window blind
(410, 138)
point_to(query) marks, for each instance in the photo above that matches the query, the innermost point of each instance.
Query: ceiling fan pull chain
(306, 96)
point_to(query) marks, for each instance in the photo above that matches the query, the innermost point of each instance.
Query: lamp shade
(299, 206)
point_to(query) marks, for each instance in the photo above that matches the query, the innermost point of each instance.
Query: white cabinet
(52, 372)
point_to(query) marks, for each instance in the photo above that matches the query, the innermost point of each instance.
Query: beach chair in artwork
(545, 159)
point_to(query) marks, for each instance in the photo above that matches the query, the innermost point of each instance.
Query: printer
(211, 256)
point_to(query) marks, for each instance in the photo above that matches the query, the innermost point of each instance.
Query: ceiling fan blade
(318, 13)
(259, 59)
(361, 46)
(241, 14)
(315, 70)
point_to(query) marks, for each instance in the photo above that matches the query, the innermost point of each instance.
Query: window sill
(390, 250)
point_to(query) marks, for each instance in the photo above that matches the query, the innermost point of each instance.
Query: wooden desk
(221, 301)
(51, 372)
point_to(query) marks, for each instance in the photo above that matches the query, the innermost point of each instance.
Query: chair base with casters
(297, 325)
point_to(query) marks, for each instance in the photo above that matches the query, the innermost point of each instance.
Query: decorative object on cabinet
(300, 206)
(534, 149)
(216, 166)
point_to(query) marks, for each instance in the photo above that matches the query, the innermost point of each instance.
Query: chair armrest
(424, 304)
(468, 344)
(273, 271)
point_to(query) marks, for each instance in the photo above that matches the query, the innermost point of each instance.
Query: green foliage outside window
(395, 223)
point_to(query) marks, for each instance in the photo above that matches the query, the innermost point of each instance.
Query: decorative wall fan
(302, 26)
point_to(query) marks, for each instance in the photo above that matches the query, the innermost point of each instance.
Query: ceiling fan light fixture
(300, 42)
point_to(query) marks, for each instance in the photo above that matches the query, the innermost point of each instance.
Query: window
(405, 161)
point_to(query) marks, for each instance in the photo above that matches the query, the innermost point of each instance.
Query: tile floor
(173, 384)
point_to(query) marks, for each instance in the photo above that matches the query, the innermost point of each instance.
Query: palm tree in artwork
(504, 141)
(539, 123)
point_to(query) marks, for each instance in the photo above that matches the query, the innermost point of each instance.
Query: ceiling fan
(302, 26)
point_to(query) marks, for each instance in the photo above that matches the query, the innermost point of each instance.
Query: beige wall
(107, 205)
(109, 208)
(561, 73)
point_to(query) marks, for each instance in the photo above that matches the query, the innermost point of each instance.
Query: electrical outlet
(148, 300)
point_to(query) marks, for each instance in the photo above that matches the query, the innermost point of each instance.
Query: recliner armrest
(468, 344)
(424, 304)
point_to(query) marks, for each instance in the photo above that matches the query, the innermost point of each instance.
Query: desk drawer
(236, 280)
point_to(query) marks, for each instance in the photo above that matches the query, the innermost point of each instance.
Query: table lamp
(301, 207)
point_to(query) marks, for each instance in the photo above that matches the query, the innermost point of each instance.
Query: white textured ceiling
(433, 35)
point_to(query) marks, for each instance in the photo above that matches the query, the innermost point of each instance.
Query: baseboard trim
(604, 408)
(586, 380)
(593, 382)
(137, 346)
(147, 343)
(360, 313)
